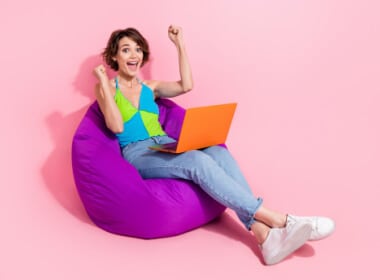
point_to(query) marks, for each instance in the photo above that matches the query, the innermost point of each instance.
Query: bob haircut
(113, 44)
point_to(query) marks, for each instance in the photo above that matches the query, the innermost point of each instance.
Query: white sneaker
(321, 226)
(281, 242)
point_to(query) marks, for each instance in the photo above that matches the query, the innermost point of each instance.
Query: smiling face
(125, 47)
(129, 56)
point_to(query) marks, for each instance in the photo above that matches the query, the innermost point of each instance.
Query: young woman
(129, 108)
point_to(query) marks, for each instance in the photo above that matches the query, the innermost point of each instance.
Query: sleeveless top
(139, 123)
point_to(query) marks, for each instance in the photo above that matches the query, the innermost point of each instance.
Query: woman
(129, 108)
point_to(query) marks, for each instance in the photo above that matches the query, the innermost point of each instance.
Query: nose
(133, 54)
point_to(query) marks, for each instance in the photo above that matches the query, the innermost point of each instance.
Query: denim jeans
(213, 169)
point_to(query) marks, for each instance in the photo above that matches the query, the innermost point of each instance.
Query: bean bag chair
(115, 196)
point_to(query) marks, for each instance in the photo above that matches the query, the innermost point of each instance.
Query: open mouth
(132, 65)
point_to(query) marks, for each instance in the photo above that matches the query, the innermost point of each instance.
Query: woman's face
(129, 57)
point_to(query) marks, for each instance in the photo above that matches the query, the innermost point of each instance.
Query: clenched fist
(100, 73)
(175, 34)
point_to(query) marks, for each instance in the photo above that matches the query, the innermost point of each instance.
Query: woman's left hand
(175, 34)
(175, 88)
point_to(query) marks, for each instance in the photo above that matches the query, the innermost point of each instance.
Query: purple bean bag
(118, 199)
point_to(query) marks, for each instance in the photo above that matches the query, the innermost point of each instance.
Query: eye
(139, 50)
(125, 50)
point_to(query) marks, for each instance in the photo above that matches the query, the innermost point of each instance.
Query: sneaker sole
(295, 240)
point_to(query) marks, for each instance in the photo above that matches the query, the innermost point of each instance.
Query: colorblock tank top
(139, 123)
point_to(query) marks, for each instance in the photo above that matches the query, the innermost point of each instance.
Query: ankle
(260, 231)
(280, 221)
(271, 218)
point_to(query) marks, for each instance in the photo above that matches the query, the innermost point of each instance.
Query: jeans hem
(252, 219)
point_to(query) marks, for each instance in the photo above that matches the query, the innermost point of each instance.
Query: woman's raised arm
(185, 84)
(106, 101)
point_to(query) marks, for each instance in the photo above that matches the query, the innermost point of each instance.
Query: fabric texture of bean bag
(115, 196)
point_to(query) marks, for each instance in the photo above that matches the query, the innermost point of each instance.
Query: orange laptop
(202, 127)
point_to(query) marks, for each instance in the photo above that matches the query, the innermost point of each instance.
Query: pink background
(306, 133)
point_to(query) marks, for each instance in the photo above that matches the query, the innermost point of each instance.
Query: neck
(128, 81)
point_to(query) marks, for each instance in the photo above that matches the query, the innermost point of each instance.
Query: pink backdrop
(305, 75)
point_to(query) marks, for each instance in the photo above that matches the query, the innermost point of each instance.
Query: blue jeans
(213, 169)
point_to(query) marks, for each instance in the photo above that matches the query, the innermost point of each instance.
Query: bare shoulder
(151, 83)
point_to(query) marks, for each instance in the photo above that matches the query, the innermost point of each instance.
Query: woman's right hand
(100, 73)
(107, 104)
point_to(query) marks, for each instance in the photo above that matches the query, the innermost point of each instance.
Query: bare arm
(106, 101)
(185, 84)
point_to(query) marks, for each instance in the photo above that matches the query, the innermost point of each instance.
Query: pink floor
(62, 243)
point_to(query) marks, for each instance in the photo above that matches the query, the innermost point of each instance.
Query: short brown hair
(113, 44)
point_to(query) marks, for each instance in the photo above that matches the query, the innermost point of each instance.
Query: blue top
(139, 123)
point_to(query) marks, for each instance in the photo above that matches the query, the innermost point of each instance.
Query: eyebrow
(128, 45)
